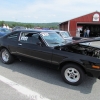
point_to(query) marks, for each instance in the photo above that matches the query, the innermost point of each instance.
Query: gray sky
(45, 11)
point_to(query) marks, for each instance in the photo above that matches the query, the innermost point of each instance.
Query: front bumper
(93, 73)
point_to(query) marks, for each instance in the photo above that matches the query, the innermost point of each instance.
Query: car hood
(83, 41)
(74, 39)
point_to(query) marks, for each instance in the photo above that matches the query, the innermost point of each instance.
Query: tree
(1, 23)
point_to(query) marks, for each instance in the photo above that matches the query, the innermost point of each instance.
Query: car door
(28, 46)
(11, 41)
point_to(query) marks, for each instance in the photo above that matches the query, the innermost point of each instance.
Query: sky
(45, 11)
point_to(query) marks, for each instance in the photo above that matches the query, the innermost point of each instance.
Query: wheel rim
(5, 56)
(72, 75)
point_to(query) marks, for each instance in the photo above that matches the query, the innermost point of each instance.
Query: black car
(72, 58)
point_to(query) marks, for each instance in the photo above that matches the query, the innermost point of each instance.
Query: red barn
(91, 21)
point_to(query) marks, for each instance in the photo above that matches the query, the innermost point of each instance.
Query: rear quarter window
(14, 36)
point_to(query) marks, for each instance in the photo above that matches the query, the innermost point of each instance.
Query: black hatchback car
(73, 58)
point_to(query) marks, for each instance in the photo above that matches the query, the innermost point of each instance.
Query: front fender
(75, 61)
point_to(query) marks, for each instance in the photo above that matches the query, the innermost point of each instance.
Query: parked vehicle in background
(4, 31)
(73, 58)
(65, 35)
(17, 28)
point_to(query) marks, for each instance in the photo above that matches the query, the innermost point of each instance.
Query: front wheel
(6, 57)
(72, 74)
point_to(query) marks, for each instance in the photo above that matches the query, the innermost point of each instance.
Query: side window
(29, 38)
(13, 36)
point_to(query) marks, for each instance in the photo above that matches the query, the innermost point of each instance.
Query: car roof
(74, 42)
(33, 30)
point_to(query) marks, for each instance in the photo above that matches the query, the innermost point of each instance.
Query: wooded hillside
(12, 24)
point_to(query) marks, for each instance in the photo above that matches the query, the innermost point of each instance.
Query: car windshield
(65, 34)
(52, 39)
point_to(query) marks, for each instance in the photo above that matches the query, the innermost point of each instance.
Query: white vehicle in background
(65, 35)
(68, 38)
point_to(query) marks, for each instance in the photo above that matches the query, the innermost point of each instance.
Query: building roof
(79, 17)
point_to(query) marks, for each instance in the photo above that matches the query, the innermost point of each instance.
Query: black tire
(6, 57)
(72, 74)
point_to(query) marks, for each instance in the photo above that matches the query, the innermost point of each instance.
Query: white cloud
(51, 10)
(36, 17)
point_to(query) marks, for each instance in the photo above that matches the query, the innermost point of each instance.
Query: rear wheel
(6, 57)
(72, 74)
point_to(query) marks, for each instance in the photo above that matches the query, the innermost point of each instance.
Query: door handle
(19, 44)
